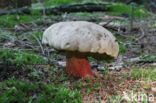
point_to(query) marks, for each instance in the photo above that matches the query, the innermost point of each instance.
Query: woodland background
(33, 73)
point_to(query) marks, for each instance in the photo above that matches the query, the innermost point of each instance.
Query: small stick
(39, 43)
(142, 34)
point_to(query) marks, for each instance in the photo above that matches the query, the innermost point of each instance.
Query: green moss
(120, 8)
(114, 9)
(15, 91)
(82, 14)
(79, 84)
(6, 35)
(11, 20)
(120, 38)
(20, 57)
(122, 49)
(36, 12)
(61, 94)
(94, 86)
(59, 2)
(37, 34)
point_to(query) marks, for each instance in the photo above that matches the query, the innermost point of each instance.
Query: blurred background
(34, 73)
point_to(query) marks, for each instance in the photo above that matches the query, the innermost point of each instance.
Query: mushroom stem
(77, 64)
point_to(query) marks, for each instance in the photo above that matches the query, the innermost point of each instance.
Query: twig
(121, 34)
(111, 25)
(107, 23)
(108, 17)
(146, 61)
(142, 34)
(39, 43)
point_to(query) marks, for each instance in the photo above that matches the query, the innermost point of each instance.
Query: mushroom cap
(81, 36)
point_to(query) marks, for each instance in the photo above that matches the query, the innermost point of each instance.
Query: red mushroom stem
(77, 64)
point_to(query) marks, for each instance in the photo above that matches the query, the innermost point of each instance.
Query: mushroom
(81, 39)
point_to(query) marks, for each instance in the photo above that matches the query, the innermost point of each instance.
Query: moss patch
(20, 58)
(60, 2)
(144, 74)
(15, 91)
(11, 20)
(123, 9)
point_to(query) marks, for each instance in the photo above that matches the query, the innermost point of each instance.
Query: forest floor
(129, 78)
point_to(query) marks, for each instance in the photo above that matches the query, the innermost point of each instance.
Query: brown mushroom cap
(81, 36)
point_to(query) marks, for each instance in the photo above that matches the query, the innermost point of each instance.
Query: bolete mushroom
(81, 39)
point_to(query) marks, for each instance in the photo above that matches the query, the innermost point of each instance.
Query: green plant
(14, 91)
(126, 75)
(59, 2)
(122, 49)
(36, 73)
(35, 11)
(115, 99)
(79, 84)
(153, 26)
(143, 74)
(121, 8)
(62, 94)
(149, 58)
(6, 35)
(121, 39)
(11, 20)
(92, 87)
(92, 59)
(19, 58)
(147, 86)
(86, 14)
(106, 71)
(37, 34)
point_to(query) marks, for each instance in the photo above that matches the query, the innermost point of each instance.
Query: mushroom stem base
(77, 64)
